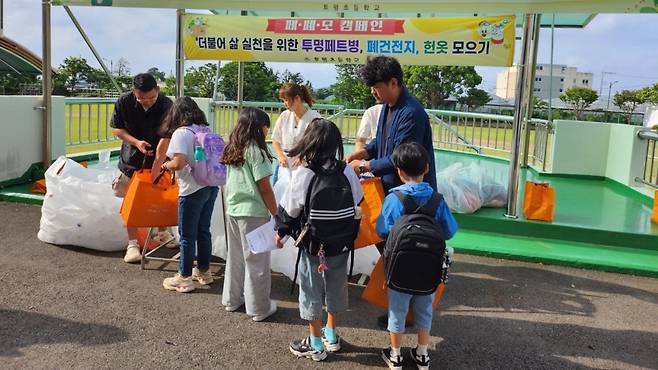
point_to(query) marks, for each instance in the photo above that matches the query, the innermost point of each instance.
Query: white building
(563, 78)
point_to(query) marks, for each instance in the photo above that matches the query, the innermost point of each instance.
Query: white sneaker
(204, 278)
(269, 313)
(133, 254)
(168, 238)
(233, 308)
(179, 284)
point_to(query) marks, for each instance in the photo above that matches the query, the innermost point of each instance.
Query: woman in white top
(292, 122)
(368, 126)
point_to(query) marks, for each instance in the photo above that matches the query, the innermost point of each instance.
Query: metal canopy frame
(523, 100)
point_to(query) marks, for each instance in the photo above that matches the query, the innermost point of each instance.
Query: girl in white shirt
(292, 122)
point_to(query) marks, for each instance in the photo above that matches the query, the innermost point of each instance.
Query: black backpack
(415, 248)
(328, 221)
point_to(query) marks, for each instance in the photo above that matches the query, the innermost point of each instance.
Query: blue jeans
(398, 305)
(194, 212)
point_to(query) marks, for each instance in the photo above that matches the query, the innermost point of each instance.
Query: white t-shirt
(287, 130)
(294, 198)
(368, 125)
(182, 142)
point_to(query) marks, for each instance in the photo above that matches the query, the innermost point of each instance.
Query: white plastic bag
(467, 188)
(80, 208)
(217, 228)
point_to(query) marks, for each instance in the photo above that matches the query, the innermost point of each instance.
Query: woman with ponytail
(292, 122)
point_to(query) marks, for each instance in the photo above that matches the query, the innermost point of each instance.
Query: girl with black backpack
(320, 209)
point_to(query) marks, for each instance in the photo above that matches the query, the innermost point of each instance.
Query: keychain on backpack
(323, 261)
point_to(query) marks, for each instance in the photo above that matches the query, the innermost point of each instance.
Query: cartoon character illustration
(494, 32)
(197, 26)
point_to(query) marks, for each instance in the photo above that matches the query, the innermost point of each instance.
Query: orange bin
(150, 205)
(371, 207)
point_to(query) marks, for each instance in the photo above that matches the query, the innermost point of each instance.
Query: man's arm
(160, 157)
(127, 138)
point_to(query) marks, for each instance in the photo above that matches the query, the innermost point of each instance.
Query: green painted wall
(580, 148)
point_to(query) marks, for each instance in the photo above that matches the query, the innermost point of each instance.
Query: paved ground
(65, 307)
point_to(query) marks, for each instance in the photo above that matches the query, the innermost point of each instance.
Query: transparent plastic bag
(80, 208)
(467, 188)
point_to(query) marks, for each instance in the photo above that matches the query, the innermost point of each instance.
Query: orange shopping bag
(539, 201)
(654, 215)
(149, 204)
(371, 207)
(376, 294)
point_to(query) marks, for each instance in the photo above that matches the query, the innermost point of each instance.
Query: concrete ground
(67, 307)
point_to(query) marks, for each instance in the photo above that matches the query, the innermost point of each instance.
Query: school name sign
(465, 41)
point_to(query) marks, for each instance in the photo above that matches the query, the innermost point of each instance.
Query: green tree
(649, 94)
(349, 89)
(579, 99)
(10, 82)
(538, 103)
(627, 101)
(474, 98)
(200, 81)
(70, 73)
(432, 85)
(323, 93)
(288, 76)
(260, 82)
(155, 72)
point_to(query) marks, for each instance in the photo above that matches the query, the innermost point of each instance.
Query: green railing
(87, 124)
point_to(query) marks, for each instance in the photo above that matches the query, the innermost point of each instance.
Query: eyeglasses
(146, 99)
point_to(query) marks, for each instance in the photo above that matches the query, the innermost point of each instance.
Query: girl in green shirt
(250, 202)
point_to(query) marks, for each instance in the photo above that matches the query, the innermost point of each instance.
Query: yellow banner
(416, 41)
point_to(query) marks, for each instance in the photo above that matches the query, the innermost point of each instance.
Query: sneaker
(393, 362)
(133, 255)
(269, 313)
(422, 362)
(168, 238)
(329, 346)
(303, 348)
(179, 284)
(233, 308)
(204, 278)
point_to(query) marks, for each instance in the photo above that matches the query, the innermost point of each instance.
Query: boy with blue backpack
(416, 222)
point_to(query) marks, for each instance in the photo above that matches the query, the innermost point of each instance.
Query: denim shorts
(398, 306)
(317, 289)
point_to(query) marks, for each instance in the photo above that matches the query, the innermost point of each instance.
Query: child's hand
(279, 242)
(283, 161)
(164, 166)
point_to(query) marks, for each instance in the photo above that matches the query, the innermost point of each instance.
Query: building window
(560, 90)
(562, 80)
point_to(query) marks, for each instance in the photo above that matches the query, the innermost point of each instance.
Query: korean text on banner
(417, 41)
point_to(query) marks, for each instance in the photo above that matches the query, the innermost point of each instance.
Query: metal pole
(92, 48)
(530, 83)
(180, 51)
(550, 82)
(519, 114)
(240, 84)
(2, 17)
(46, 86)
(610, 93)
(216, 86)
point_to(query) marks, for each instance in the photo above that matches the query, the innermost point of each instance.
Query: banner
(389, 6)
(417, 41)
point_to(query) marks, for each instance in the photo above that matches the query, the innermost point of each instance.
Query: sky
(626, 44)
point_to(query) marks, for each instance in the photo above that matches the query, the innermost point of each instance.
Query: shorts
(398, 305)
(317, 289)
(120, 185)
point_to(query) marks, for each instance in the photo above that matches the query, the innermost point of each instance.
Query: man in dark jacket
(402, 119)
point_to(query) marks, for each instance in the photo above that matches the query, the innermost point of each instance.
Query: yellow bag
(539, 201)
(654, 215)
(149, 204)
(376, 293)
(371, 207)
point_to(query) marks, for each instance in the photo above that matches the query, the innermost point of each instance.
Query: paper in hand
(261, 239)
